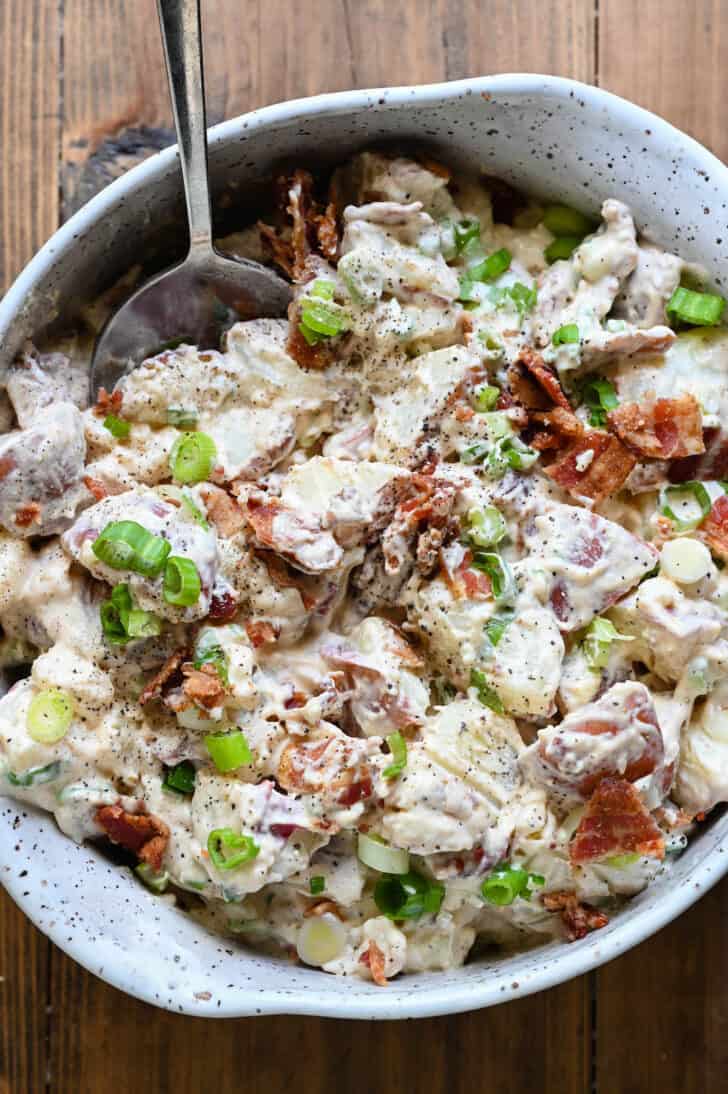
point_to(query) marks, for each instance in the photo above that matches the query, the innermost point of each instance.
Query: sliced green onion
(487, 695)
(182, 585)
(323, 288)
(519, 296)
(182, 417)
(49, 716)
(565, 335)
(192, 457)
(475, 453)
(562, 247)
(563, 221)
(117, 427)
(510, 452)
(498, 570)
(121, 621)
(398, 748)
(321, 317)
(486, 397)
(675, 496)
(196, 514)
(492, 266)
(622, 860)
(599, 396)
(317, 885)
(212, 654)
(181, 778)
(223, 840)
(507, 882)
(378, 855)
(698, 309)
(126, 545)
(597, 641)
(157, 882)
(496, 626)
(35, 776)
(466, 233)
(408, 896)
(228, 751)
(486, 526)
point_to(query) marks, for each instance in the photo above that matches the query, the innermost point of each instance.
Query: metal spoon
(196, 299)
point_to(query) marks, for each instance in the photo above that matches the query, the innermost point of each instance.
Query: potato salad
(397, 628)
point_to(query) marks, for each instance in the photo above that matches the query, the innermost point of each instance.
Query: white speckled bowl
(546, 135)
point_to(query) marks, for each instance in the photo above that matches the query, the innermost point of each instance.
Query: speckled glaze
(551, 136)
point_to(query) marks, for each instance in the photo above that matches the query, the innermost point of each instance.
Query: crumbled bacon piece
(712, 464)
(714, 529)
(260, 631)
(223, 511)
(324, 907)
(328, 232)
(95, 487)
(357, 791)
(142, 833)
(316, 356)
(223, 607)
(154, 688)
(281, 249)
(544, 376)
(578, 919)
(108, 403)
(607, 463)
(203, 686)
(28, 514)
(666, 430)
(373, 958)
(615, 822)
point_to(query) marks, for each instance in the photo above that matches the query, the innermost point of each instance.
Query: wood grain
(540, 1044)
(662, 1010)
(671, 58)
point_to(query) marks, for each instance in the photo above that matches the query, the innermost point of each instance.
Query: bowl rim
(574, 960)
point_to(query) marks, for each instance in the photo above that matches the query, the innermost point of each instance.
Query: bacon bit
(108, 403)
(260, 631)
(285, 578)
(203, 686)
(436, 168)
(544, 376)
(328, 232)
(223, 511)
(560, 421)
(318, 356)
(95, 487)
(609, 467)
(712, 464)
(144, 834)
(373, 958)
(476, 584)
(578, 919)
(28, 514)
(281, 249)
(463, 413)
(296, 701)
(223, 607)
(283, 831)
(429, 544)
(7, 464)
(714, 529)
(324, 907)
(668, 429)
(357, 791)
(615, 822)
(154, 688)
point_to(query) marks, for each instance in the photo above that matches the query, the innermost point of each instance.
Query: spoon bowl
(196, 300)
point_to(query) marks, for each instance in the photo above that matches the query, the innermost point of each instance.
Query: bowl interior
(552, 137)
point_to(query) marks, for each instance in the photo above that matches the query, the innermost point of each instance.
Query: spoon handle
(182, 39)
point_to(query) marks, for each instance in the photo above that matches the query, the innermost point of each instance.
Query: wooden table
(83, 97)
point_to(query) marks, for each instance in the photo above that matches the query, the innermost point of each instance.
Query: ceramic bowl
(550, 136)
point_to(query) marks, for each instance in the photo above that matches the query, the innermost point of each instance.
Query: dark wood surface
(82, 98)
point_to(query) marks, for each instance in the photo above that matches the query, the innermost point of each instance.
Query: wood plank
(540, 1044)
(29, 137)
(29, 130)
(662, 1010)
(24, 970)
(672, 62)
